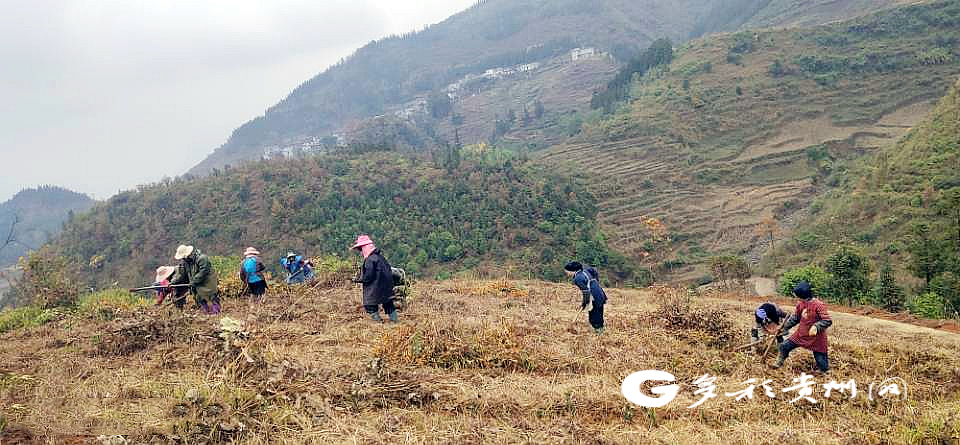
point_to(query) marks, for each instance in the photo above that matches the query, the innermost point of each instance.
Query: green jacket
(199, 274)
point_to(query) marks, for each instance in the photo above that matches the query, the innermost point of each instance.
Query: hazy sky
(102, 95)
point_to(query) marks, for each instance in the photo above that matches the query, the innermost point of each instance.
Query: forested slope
(472, 209)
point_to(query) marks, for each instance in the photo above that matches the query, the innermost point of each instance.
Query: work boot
(204, 307)
(394, 316)
(216, 309)
(376, 316)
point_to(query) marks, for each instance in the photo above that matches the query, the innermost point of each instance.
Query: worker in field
(587, 279)
(298, 269)
(377, 279)
(251, 273)
(767, 319)
(162, 281)
(812, 316)
(197, 271)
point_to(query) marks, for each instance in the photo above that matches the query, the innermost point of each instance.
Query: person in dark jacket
(587, 279)
(251, 273)
(195, 269)
(812, 316)
(767, 320)
(377, 279)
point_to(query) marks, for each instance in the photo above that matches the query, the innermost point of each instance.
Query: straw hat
(361, 241)
(164, 272)
(291, 254)
(251, 251)
(183, 252)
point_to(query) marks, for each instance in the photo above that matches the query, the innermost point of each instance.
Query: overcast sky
(102, 95)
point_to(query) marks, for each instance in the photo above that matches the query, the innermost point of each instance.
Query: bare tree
(11, 237)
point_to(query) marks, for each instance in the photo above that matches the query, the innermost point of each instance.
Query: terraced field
(748, 127)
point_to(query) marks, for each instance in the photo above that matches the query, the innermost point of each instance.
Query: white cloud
(102, 95)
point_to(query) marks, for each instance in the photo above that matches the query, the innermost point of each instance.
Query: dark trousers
(179, 297)
(388, 308)
(823, 361)
(257, 289)
(596, 316)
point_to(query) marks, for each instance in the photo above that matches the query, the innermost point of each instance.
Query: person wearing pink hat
(377, 279)
(163, 280)
(251, 273)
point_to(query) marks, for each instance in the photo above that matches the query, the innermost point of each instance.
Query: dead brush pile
(332, 273)
(503, 288)
(680, 314)
(456, 347)
(147, 327)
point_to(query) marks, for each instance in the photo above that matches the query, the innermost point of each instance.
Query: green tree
(947, 285)
(886, 293)
(927, 261)
(815, 275)
(849, 272)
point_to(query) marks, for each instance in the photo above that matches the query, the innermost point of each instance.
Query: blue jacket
(251, 269)
(588, 282)
(297, 269)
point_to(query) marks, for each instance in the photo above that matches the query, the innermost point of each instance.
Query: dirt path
(764, 287)
(862, 314)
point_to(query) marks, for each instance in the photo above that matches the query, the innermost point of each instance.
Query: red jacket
(809, 313)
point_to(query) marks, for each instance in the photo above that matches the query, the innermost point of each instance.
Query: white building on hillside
(582, 53)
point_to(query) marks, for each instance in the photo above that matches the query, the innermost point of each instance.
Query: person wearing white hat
(251, 273)
(298, 269)
(199, 274)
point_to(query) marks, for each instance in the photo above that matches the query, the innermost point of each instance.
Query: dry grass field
(470, 362)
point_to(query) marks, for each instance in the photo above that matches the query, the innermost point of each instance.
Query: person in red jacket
(812, 316)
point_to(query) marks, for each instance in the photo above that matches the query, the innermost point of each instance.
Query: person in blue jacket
(587, 279)
(298, 269)
(252, 273)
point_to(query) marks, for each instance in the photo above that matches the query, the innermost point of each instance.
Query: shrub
(49, 280)
(814, 275)
(928, 305)
(25, 317)
(103, 305)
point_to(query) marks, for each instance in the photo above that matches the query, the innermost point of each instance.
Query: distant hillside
(881, 201)
(729, 143)
(472, 209)
(496, 59)
(39, 214)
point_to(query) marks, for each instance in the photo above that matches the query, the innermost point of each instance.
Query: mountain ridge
(389, 72)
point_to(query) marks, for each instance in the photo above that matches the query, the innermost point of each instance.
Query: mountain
(883, 202)
(36, 216)
(474, 209)
(463, 78)
(728, 144)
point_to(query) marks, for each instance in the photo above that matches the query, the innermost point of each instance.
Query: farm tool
(146, 288)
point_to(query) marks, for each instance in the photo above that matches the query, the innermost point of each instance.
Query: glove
(813, 331)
